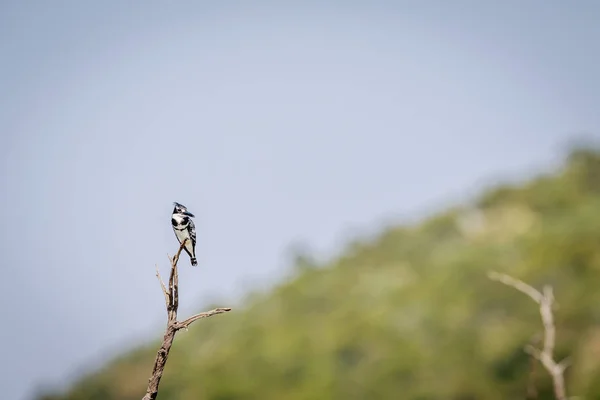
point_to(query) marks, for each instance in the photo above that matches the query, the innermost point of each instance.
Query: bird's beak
(189, 214)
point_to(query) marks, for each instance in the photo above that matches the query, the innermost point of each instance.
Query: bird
(184, 228)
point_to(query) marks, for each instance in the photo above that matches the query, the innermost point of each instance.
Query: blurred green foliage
(407, 315)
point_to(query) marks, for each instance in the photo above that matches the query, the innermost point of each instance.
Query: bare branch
(564, 364)
(172, 303)
(186, 323)
(517, 284)
(532, 351)
(162, 285)
(545, 356)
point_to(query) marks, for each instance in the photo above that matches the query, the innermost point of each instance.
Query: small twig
(164, 288)
(172, 303)
(186, 323)
(532, 392)
(545, 356)
(517, 284)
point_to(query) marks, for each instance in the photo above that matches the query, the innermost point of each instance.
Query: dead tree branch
(545, 356)
(532, 392)
(171, 294)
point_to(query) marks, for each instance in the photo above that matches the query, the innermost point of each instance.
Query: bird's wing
(192, 231)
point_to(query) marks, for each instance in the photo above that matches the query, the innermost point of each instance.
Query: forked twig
(545, 356)
(172, 304)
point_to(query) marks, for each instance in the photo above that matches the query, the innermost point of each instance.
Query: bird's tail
(194, 262)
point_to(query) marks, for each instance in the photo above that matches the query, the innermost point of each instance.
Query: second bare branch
(545, 299)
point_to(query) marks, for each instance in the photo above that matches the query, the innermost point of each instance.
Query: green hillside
(407, 315)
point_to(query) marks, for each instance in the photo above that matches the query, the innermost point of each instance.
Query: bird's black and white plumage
(184, 228)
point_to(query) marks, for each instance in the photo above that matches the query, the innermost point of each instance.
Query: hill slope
(409, 315)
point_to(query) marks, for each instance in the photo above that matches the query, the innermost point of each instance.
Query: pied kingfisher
(184, 228)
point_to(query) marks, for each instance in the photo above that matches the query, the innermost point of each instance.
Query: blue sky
(309, 121)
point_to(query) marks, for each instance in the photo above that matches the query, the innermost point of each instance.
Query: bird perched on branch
(184, 228)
